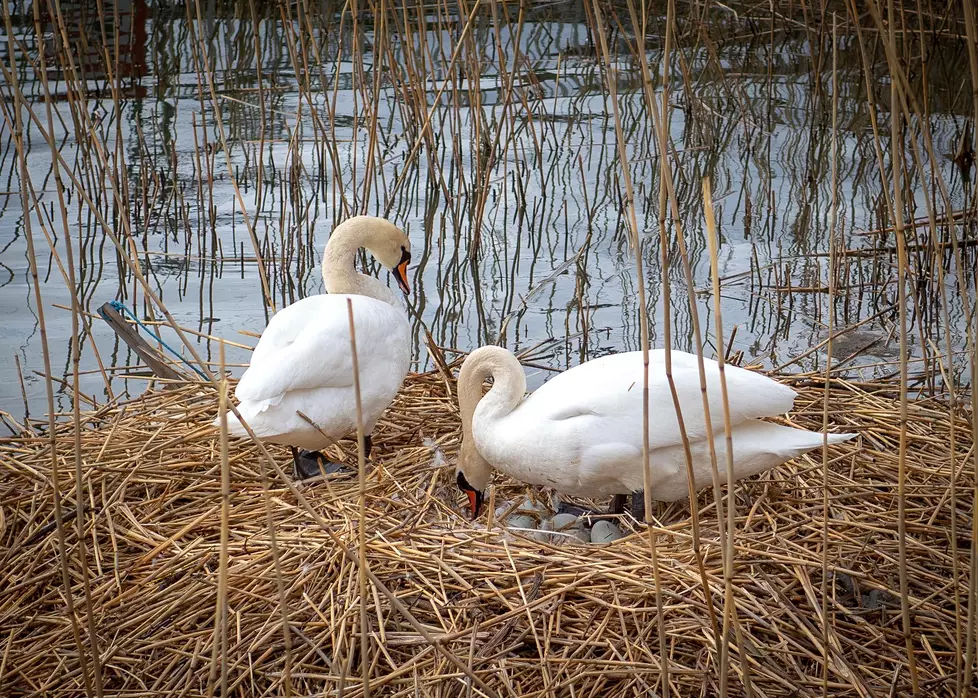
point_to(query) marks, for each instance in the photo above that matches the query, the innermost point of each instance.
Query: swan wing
(750, 395)
(603, 398)
(307, 345)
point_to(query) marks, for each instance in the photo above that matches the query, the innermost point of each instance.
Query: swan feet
(306, 464)
(309, 464)
(637, 508)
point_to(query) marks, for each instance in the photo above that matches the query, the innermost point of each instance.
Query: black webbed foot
(638, 506)
(309, 464)
(616, 509)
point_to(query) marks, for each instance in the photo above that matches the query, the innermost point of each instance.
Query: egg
(605, 532)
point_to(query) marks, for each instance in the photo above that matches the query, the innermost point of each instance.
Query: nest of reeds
(454, 609)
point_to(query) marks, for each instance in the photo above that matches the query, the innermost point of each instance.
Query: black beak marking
(476, 498)
(400, 271)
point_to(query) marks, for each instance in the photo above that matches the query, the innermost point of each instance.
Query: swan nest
(451, 603)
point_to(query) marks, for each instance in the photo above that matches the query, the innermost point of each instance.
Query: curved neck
(340, 275)
(508, 389)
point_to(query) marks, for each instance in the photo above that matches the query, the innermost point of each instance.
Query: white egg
(605, 532)
(528, 507)
(521, 521)
(566, 522)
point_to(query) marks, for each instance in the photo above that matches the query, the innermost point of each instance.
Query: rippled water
(522, 139)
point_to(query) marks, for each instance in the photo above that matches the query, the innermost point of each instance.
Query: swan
(581, 432)
(303, 361)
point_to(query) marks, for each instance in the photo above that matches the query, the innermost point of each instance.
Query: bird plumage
(303, 362)
(581, 432)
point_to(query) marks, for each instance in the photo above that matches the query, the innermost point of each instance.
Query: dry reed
(525, 617)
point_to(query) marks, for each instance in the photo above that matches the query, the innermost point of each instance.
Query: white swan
(581, 432)
(303, 362)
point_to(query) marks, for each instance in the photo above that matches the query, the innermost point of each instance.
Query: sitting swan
(303, 362)
(581, 432)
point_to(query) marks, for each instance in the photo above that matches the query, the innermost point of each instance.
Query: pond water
(522, 140)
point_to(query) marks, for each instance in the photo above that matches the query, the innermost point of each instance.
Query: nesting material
(525, 616)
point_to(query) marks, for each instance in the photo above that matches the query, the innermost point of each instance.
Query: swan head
(387, 243)
(392, 248)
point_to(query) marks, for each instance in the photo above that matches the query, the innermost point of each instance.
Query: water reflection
(515, 176)
(119, 31)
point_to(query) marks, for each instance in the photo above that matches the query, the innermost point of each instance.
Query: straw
(153, 468)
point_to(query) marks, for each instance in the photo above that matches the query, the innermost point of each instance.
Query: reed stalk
(636, 244)
(362, 513)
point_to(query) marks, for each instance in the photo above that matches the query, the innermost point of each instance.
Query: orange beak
(400, 273)
(474, 503)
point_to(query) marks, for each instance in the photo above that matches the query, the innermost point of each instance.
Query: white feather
(304, 362)
(581, 433)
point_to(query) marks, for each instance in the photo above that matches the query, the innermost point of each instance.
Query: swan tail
(800, 441)
(234, 425)
(841, 438)
(252, 413)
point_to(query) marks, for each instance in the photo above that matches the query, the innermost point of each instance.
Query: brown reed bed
(524, 617)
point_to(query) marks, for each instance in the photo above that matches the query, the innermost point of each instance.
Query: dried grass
(526, 617)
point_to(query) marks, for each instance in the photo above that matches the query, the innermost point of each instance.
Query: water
(523, 140)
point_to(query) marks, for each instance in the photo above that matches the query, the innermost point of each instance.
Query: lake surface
(513, 200)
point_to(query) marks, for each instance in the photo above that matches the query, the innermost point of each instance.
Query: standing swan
(303, 361)
(581, 432)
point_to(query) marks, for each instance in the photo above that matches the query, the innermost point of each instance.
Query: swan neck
(339, 273)
(509, 386)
